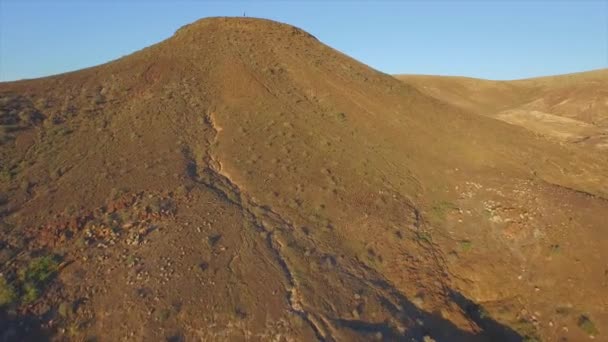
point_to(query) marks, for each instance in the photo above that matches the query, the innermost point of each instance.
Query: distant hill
(569, 107)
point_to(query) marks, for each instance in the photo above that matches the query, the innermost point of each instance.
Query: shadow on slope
(21, 327)
(432, 325)
(28, 327)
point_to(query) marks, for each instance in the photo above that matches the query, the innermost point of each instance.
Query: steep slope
(569, 107)
(241, 180)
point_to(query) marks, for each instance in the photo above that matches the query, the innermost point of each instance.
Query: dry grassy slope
(306, 195)
(569, 107)
(480, 96)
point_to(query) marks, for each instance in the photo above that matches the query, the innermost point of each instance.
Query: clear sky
(489, 39)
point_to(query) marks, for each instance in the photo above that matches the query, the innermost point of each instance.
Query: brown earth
(243, 181)
(569, 108)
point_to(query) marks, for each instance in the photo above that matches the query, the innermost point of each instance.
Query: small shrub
(65, 309)
(5, 175)
(440, 210)
(117, 193)
(214, 239)
(7, 293)
(424, 236)
(5, 136)
(5, 227)
(483, 313)
(31, 292)
(182, 191)
(39, 269)
(36, 276)
(98, 99)
(164, 315)
(466, 245)
(167, 206)
(555, 248)
(156, 205)
(585, 323)
(526, 329)
(131, 260)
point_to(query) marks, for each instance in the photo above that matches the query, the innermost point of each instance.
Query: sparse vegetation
(555, 248)
(587, 325)
(5, 135)
(526, 329)
(98, 99)
(5, 175)
(30, 281)
(156, 205)
(466, 245)
(60, 130)
(423, 236)
(441, 209)
(117, 193)
(213, 239)
(563, 310)
(35, 277)
(31, 292)
(65, 309)
(131, 260)
(240, 312)
(7, 293)
(482, 312)
(164, 315)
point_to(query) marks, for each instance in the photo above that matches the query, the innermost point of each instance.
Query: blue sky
(488, 39)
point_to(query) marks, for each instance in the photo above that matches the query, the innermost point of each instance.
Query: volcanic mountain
(243, 181)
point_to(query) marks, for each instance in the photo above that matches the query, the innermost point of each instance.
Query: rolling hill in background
(569, 108)
(243, 181)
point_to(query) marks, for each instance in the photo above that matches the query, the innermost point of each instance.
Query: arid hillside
(568, 108)
(243, 181)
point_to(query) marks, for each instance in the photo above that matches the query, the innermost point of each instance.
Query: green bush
(36, 276)
(466, 245)
(587, 325)
(7, 293)
(31, 292)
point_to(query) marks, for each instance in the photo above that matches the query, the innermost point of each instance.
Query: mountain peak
(214, 25)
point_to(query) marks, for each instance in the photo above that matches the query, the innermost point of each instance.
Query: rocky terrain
(243, 181)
